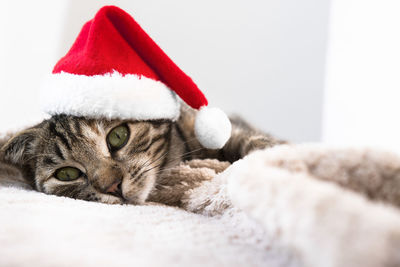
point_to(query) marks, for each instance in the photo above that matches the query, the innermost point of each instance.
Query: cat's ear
(20, 148)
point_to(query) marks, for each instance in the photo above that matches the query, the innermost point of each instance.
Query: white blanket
(276, 209)
(42, 230)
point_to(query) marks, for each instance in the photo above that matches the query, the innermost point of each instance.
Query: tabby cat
(115, 161)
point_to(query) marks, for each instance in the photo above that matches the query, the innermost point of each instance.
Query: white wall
(29, 34)
(261, 59)
(362, 98)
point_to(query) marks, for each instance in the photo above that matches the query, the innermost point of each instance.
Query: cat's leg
(245, 139)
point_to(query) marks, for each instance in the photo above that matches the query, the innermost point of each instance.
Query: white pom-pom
(212, 128)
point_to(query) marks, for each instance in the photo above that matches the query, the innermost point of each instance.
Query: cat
(115, 161)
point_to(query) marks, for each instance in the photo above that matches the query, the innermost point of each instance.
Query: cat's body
(80, 146)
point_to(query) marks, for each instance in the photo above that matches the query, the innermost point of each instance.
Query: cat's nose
(115, 188)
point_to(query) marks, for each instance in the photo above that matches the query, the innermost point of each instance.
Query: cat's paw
(213, 164)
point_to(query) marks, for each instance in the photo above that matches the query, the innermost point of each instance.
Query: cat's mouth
(118, 193)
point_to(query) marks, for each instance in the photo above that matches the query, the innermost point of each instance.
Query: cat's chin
(137, 194)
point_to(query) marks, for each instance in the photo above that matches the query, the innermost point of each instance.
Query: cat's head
(111, 161)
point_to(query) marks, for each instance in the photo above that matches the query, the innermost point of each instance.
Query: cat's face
(110, 161)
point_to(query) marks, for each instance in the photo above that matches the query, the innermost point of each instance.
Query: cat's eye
(68, 174)
(118, 137)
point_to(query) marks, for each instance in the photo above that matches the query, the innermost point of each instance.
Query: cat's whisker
(190, 152)
(144, 164)
(165, 154)
(161, 171)
(177, 159)
(190, 140)
(139, 175)
(157, 159)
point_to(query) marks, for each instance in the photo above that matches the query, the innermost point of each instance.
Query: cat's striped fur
(81, 143)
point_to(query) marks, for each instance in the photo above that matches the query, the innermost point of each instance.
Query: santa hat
(115, 70)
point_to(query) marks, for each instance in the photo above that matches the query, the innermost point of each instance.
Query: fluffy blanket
(299, 205)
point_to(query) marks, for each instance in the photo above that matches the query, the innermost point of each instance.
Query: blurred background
(307, 71)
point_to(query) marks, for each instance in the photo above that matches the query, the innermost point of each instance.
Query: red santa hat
(115, 70)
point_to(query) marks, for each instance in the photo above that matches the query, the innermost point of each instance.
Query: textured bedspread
(300, 205)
